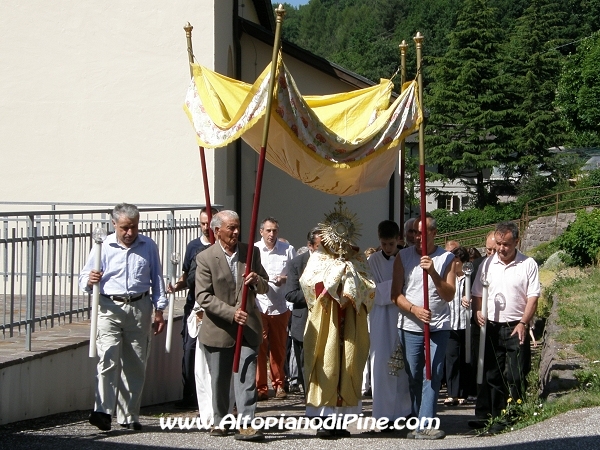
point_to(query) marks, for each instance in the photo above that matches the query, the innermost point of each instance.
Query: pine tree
(534, 65)
(469, 112)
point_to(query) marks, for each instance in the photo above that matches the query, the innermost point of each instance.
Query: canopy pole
(280, 12)
(211, 237)
(403, 47)
(426, 335)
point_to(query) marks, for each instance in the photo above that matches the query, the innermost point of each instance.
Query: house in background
(91, 97)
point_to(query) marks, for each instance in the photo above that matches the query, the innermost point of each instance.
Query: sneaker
(218, 432)
(430, 433)
(281, 394)
(263, 396)
(411, 434)
(249, 434)
(100, 420)
(450, 401)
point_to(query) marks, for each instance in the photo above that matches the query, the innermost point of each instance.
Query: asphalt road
(579, 429)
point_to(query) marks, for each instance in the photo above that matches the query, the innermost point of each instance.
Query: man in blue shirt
(194, 247)
(131, 285)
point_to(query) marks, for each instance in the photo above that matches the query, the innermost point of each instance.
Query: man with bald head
(219, 284)
(409, 232)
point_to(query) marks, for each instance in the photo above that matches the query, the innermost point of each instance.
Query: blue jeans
(424, 393)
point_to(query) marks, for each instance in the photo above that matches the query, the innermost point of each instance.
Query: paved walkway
(577, 429)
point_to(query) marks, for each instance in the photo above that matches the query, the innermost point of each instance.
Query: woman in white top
(456, 367)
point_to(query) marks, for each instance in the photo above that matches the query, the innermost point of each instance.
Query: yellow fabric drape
(342, 144)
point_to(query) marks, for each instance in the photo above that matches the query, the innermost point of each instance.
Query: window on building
(452, 202)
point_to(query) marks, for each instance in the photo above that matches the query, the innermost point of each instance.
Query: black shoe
(495, 428)
(132, 426)
(185, 404)
(340, 432)
(322, 433)
(477, 424)
(100, 420)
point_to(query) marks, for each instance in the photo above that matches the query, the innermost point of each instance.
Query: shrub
(581, 239)
(448, 222)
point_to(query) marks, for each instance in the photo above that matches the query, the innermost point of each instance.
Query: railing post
(52, 242)
(31, 276)
(13, 259)
(170, 245)
(556, 218)
(71, 267)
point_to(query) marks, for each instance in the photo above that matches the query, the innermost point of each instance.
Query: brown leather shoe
(263, 396)
(281, 394)
(249, 434)
(218, 432)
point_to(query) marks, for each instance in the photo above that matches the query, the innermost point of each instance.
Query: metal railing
(560, 203)
(42, 252)
(552, 205)
(472, 237)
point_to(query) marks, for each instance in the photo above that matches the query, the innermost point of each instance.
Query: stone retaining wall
(558, 362)
(544, 229)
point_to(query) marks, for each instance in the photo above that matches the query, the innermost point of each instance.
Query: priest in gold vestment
(339, 292)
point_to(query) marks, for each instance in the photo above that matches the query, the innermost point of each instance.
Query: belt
(127, 298)
(512, 324)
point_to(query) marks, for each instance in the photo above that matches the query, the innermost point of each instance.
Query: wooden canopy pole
(426, 334)
(211, 237)
(280, 12)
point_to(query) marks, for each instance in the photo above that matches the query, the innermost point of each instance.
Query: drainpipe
(238, 76)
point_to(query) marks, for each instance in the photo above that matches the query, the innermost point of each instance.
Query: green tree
(534, 66)
(467, 131)
(578, 98)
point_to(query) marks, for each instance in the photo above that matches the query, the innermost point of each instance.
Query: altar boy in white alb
(391, 398)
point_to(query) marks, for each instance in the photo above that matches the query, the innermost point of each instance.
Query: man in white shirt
(274, 256)
(513, 292)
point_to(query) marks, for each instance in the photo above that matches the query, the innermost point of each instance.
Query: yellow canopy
(342, 144)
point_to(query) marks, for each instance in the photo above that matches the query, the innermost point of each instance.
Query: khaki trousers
(123, 346)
